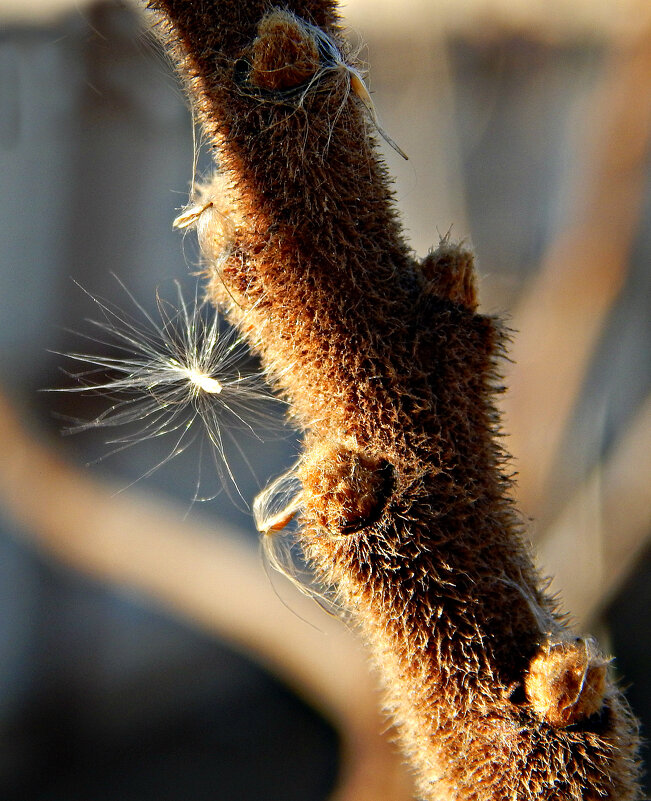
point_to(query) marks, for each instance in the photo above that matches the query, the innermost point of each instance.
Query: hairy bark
(392, 373)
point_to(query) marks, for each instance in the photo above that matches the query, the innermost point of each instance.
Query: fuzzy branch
(392, 374)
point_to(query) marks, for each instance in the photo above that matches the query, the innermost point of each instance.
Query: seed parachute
(179, 373)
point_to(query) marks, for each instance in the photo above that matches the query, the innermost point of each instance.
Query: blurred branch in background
(553, 20)
(563, 310)
(211, 578)
(593, 544)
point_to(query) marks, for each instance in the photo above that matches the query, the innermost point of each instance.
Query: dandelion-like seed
(279, 502)
(276, 511)
(202, 381)
(179, 375)
(334, 60)
(191, 216)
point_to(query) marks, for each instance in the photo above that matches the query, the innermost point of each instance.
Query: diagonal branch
(391, 371)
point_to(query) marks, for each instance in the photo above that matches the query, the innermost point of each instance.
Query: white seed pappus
(178, 374)
(334, 61)
(356, 82)
(276, 511)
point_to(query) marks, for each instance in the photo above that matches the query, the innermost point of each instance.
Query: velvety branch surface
(392, 373)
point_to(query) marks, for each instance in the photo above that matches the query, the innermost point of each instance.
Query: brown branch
(391, 371)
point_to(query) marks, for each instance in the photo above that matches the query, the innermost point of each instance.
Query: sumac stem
(392, 373)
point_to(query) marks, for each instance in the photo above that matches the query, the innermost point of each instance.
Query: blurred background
(144, 651)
